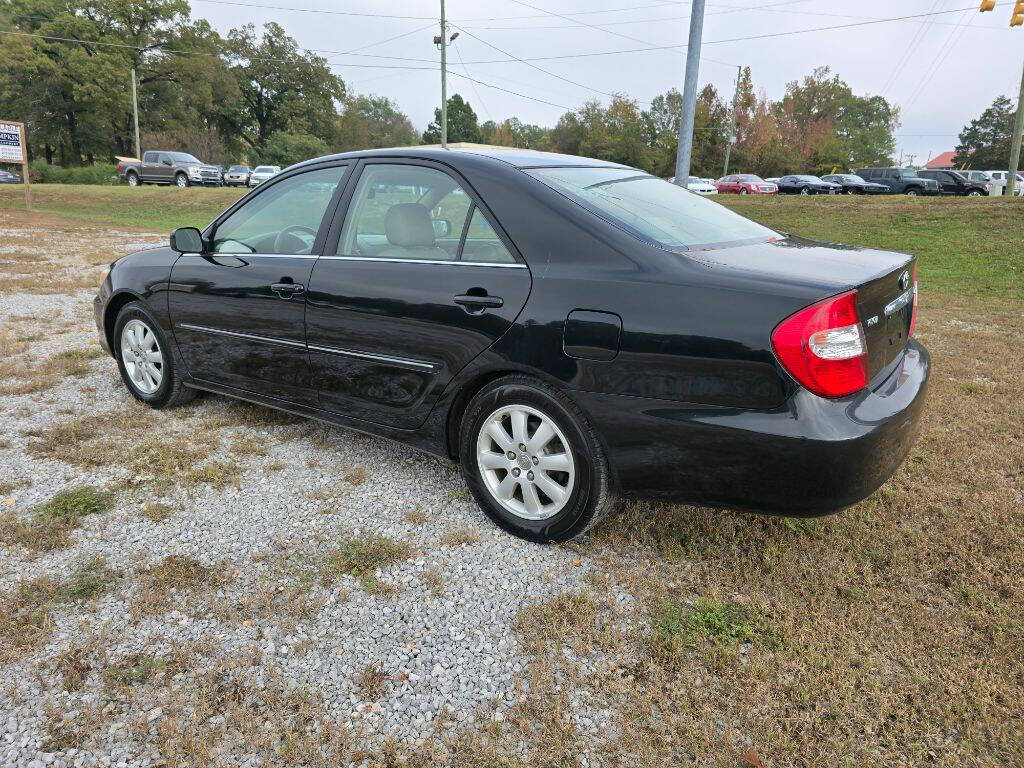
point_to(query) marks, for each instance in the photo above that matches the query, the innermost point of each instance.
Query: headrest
(408, 225)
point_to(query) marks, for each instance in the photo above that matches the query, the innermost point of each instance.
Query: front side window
(661, 213)
(184, 157)
(282, 219)
(405, 212)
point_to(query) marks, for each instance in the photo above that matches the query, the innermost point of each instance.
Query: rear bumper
(812, 456)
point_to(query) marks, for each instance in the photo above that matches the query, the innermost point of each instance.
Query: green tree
(373, 121)
(286, 149)
(985, 141)
(281, 88)
(462, 123)
(514, 133)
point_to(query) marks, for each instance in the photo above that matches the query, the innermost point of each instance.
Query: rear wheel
(532, 461)
(132, 178)
(145, 361)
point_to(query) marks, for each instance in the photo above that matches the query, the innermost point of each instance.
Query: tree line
(255, 95)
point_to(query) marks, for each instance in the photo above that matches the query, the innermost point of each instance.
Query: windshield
(238, 169)
(264, 169)
(184, 157)
(852, 177)
(748, 177)
(659, 212)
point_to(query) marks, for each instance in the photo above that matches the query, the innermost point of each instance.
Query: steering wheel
(282, 244)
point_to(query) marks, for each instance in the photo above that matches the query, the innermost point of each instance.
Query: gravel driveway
(379, 655)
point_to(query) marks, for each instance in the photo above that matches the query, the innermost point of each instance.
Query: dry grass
(18, 377)
(415, 515)
(157, 512)
(26, 611)
(362, 557)
(50, 525)
(372, 681)
(434, 581)
(457, 537)
(163, 454)
(176, 576)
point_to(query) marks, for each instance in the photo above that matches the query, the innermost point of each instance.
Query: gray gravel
(445, 648)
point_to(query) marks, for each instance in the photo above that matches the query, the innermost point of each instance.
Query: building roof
(941, 161)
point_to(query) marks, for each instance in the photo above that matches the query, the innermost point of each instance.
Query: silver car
(263, 172)
(237, 176)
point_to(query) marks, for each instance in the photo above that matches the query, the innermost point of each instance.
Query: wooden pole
(24, 167)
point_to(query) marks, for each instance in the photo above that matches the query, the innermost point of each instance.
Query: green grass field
(973, 247)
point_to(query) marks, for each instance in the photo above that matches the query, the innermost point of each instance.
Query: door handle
(469, 300)
(287, 290)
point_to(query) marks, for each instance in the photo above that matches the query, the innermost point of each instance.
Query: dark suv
(901, 181)
(953, 183)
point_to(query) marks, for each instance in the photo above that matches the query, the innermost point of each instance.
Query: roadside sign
(13, 149)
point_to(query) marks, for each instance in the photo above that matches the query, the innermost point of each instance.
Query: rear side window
(150, 157)
(664, 214)
(482, 242)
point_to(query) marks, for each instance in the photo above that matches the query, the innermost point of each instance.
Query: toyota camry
(570, 331)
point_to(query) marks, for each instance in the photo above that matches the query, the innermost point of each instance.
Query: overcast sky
(941, 70)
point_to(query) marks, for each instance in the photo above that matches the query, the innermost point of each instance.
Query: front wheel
(805, 191)
(743, 191)
(913, 192)
(181, 180)
(851, 191)
(145, 361)
(532, 461)
(974, 193)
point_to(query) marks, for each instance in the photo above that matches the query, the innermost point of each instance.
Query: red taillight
(823, 348)
(913, 312)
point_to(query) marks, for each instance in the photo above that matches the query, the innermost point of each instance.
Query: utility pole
(731, 138)
(444, 80)
(685, 145)
(1018, 127)
(135, 113)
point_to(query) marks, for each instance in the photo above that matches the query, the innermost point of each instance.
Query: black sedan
(805, 185)
(569, 330)
(852, 184)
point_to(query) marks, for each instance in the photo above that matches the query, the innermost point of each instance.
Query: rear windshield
(663, 213)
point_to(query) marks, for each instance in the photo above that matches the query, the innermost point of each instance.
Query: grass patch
(157, 512)
(50, 525)
(372, 681)
(18, 378)
(362, 557)
(175, 575)
(26, 618)
(7, 487)
(458, 537)
(716, 626)
(134, 438)
(415, 515)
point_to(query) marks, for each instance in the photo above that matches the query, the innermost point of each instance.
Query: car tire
(851, 191)
(743, 191)
(551, 505)
(913, 191)
(137, 337)
(974, 193)
(132, 178)
(805, 191)
(181, 180)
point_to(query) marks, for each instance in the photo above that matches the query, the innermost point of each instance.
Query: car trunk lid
(886, 307)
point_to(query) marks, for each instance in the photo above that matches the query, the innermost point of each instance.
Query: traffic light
(1017, 17)
(987, 5)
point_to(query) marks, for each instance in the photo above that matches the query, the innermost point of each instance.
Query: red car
(745, 184)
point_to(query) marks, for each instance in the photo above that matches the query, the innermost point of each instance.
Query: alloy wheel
(525, 462)
(143, 360)
(180, 180)
(133, 180)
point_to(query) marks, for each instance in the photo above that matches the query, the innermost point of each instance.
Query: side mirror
(187, 240)
(442, 227)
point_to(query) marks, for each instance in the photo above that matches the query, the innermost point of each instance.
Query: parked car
(806, 185)
(852, 184)
(701, 186)
(745, 184)
(983, 176)
(261, 173)
(237, 176)
(159, 167)
(953, 183)
(901, 181)
(999, 179)
(6, 177)
(436, 298)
